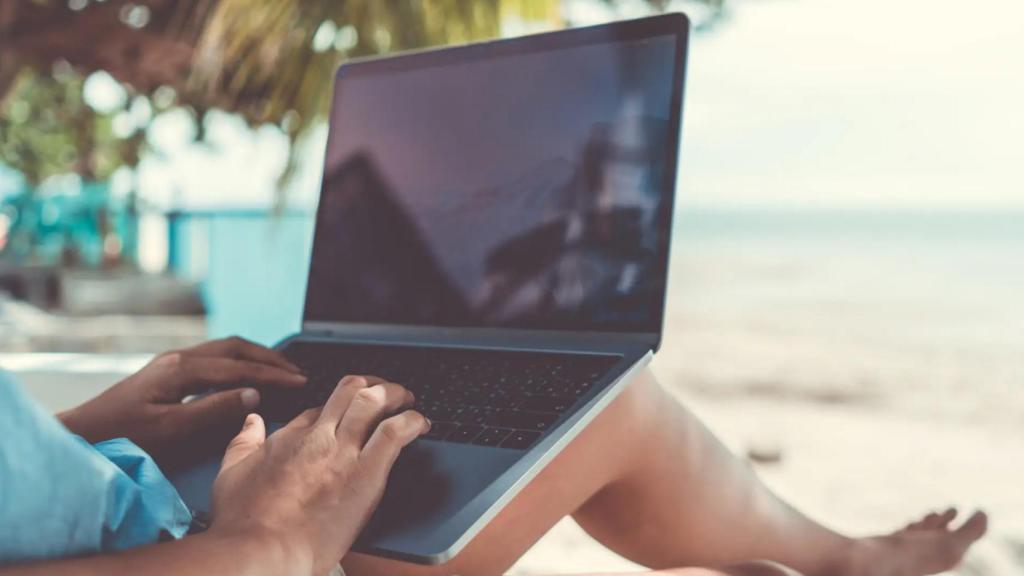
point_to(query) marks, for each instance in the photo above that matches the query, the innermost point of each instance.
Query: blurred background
(848, 254)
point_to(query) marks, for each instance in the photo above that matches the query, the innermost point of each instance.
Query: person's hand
(312, 485)
(147, 407)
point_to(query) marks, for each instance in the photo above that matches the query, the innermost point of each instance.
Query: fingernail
(429, 423)
(250, 398)
(412, 397)
(300, 378)
(294, 368)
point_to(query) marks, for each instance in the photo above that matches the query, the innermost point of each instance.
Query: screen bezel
(674, 24)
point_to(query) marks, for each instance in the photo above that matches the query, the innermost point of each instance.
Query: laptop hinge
(499, 337)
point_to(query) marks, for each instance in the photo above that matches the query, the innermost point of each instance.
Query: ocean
(913, 311)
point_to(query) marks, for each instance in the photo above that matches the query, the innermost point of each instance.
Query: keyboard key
(465, 433)
(488, 397)
(554, 390)
(492, 436)
(474, 415)
(441, 412)
(440, 430)
(556, 404)
(522, 420)
(475, 397)
(520, 439)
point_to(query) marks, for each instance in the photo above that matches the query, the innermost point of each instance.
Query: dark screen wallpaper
(525, 191)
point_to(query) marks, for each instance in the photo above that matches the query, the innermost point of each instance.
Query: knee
(645, 408)
(641, 397)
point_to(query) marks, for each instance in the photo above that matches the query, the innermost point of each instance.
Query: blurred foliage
(271, 62)
(48, 130)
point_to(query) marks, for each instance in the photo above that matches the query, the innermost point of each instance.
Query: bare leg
(684, 498)
(649, 481)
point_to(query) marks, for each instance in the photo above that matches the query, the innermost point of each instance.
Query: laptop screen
(527, 189)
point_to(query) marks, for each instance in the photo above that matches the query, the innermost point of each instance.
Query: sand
(858, 467)
(855, 469)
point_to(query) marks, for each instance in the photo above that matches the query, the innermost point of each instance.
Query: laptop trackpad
(430, 483)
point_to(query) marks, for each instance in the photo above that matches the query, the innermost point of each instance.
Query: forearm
(199, 555)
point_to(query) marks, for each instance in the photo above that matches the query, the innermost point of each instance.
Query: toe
(931, 521)
(973, 529)
(946, 517)
(951, 548)
(928, 546)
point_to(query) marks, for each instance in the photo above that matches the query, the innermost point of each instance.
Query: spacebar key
(522, 420)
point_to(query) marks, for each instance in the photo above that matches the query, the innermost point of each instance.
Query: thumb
(253, 433)
(218, 409)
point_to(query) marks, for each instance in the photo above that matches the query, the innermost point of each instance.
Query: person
(293, 502)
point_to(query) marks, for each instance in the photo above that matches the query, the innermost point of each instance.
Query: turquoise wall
(255, 274)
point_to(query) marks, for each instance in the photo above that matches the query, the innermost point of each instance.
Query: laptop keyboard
(486, 397)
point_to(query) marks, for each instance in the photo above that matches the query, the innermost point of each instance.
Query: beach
(872, 359)
(876, 354)
(856, 468)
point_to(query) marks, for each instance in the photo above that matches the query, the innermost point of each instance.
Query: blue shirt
(61, 496)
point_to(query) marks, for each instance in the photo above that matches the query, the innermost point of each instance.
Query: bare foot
(928, 546)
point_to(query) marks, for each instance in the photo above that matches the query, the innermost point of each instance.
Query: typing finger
(388, 440)
(368, 407)
(198, 373)
(242, 349)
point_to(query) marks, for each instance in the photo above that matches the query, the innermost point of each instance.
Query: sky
(873, 102)
(789, 104)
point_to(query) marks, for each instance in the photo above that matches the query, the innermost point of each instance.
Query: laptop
(493, 233)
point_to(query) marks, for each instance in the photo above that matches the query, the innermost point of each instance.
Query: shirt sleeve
(60, 496)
